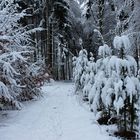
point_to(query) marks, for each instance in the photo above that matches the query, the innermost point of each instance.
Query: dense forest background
(73, 25)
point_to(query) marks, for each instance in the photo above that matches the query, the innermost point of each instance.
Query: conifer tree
(80, 70)
(15, 57)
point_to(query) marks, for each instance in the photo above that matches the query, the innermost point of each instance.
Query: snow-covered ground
(58, 115)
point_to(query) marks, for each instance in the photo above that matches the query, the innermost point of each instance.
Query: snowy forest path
(56, 116)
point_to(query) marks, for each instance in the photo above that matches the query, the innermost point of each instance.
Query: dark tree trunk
(101, 14)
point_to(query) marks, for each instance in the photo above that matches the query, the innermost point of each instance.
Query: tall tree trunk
(101, 14)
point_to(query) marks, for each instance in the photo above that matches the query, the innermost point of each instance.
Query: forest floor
(58, 115)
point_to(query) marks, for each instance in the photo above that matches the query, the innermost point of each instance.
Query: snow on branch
(4, 92)
(122, 42)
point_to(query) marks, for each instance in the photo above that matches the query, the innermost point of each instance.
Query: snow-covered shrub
(89, 77)
(81, 63)
(125, 87)
(39, 73)
(95, 94)
(122, 42)
(104, 51)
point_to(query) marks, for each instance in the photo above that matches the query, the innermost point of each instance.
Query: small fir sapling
(80, 70)
(89, 79)
(126, 86)
(95, 95)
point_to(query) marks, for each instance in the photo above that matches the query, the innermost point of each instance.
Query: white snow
(58, 115)
(4, 91)
(104, 51)
(121, 42)
(119, 104)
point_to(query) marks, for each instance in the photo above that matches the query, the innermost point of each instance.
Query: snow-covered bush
(126, 86)
(95, 95)
(89, 77)
(81, 63)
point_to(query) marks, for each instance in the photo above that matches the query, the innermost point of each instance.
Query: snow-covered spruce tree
(80, 70)
(14, 56)
(95, 95)
(126, 88)
(89, 77)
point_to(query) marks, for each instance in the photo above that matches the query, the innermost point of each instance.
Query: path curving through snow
(56, 116)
